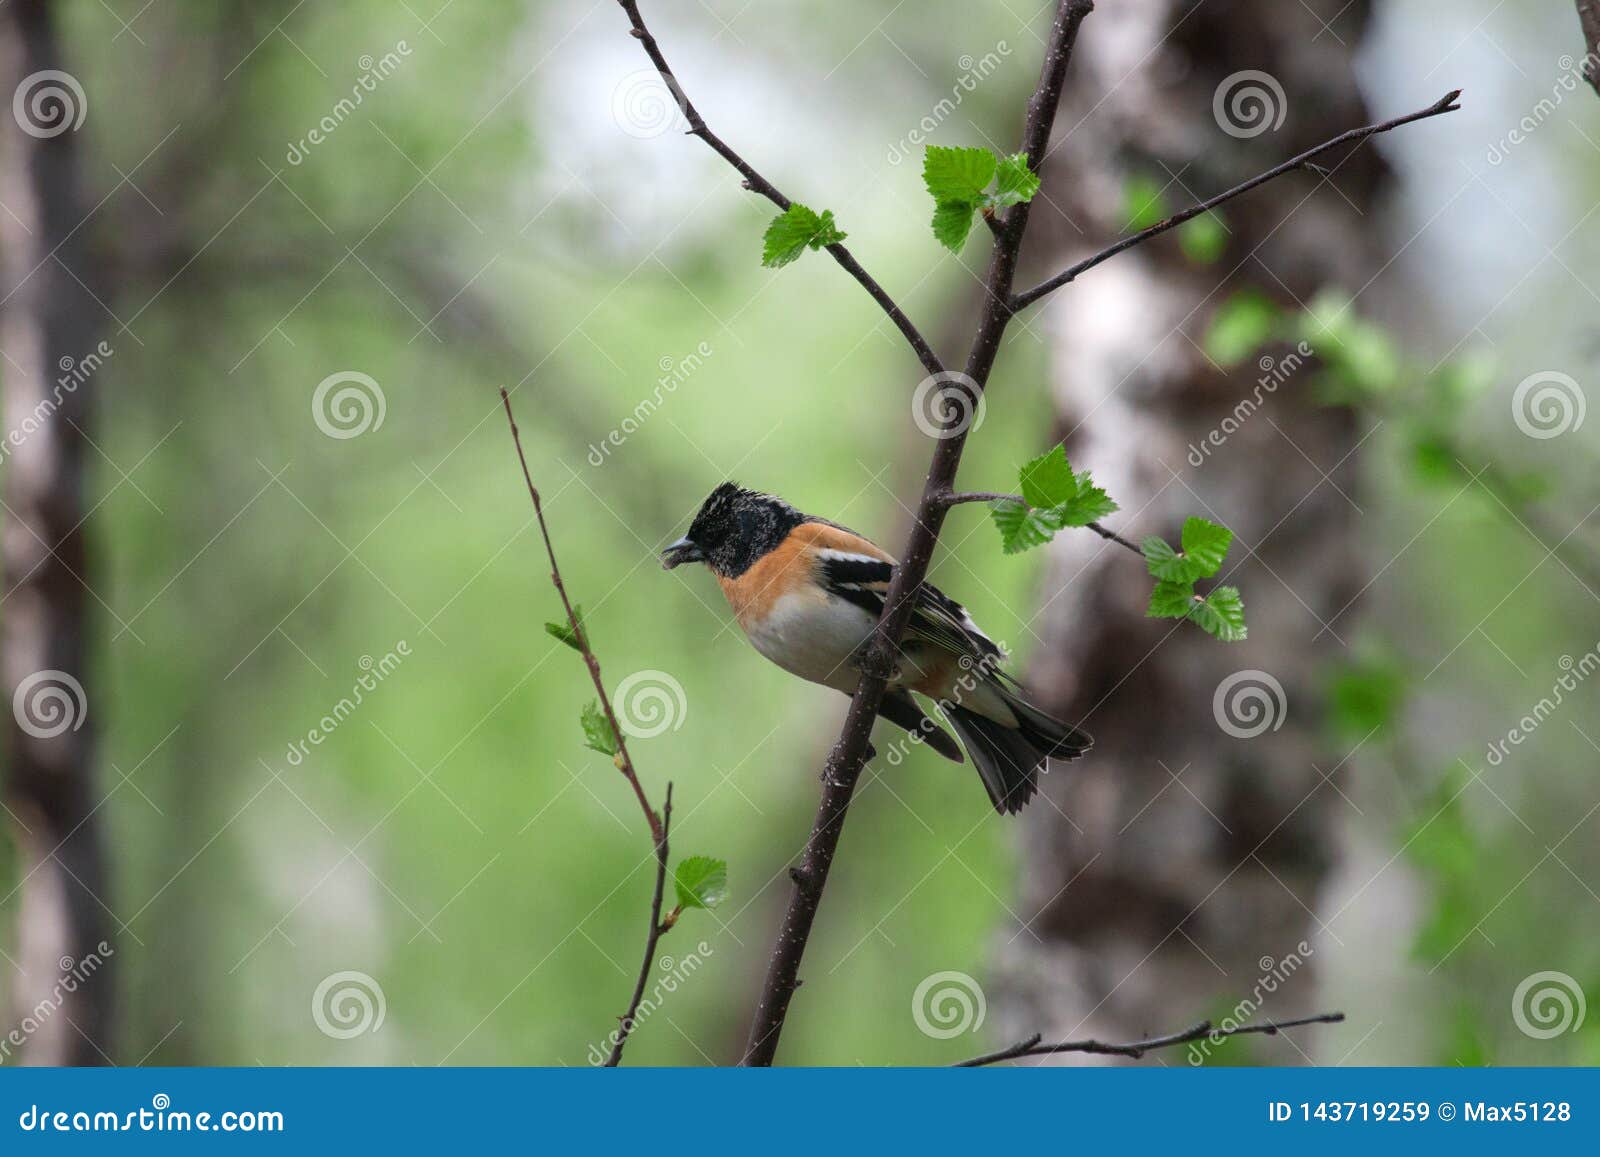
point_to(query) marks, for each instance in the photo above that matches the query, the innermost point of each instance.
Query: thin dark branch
(658, 929)
(1445, 104)
(1032, 1046)
(624, 762)
(851, 750)
(660, 825)
(959, 497)
(1589, 17)
(756, 183)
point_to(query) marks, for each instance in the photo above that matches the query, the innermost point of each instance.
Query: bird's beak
(679, 553)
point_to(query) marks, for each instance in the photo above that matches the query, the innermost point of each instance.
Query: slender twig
(1445, 104)
(658, 929)
(959, 497)
(1032, 1046)
(850, 751)
(1589, 17)
(660, 825)
(756, 183)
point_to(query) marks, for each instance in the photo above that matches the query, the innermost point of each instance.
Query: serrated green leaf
(1203, 239)
(1143, 203)
(1170, 600)
(1241, 325)
(701, 882)
(564, 631)
(1164, 562)
(1014, 181)
(1206, 544)
(597, 733)
(795, 230)
(1221, 613)
(957, 174)
(1048, 480)
(1091, 504)
(1022, 527)
(952, 222)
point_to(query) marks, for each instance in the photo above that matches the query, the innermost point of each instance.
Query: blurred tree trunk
(1189, 872)
(49, 330)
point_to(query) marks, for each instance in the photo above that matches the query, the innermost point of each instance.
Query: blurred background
(295, 775)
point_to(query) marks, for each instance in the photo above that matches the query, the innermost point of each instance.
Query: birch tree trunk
(1185, 878)
(49, 332)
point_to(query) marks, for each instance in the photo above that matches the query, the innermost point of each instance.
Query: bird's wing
(859, 572)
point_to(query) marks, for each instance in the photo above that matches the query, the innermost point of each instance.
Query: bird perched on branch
(808, 593)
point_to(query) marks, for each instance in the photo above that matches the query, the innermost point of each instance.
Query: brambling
(808, 592)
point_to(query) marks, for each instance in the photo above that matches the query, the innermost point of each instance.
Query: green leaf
(1206, 544)
(1221, 613)
(1014, 181)
(1203, 239)
(957, 174)
(1241, 325)
(597, 733)
(701, 882)
(1143, 203)
(1048, 480)
(1170, 600)
(952, 221)
(1021, 527)
(795, 230)
(1091, 504)
(564, 631)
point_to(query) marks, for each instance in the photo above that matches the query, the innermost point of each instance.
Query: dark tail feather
(902, 710)
(1008, 758)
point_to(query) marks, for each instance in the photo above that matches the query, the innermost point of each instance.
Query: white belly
(814, 636)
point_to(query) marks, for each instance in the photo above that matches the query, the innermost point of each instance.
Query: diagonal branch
(1032, 1046)
(660, 825)
(961, 497)
(850, 752)
(1445, 104)
(756, 183)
